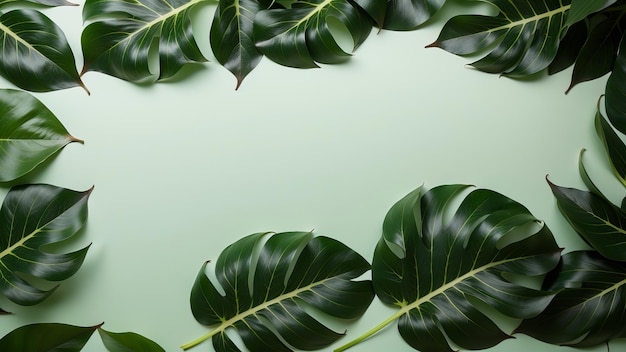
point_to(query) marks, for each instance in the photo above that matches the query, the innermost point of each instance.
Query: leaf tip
(434, 44)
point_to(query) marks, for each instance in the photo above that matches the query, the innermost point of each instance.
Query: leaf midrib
(535, 18)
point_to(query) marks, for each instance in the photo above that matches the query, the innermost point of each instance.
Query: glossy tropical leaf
(409, 14)
(521, 40)
(616, 90)
(31, 217)
(613, 145)
(41, 2)
(569, 48)
(433, 266)
(599, 222)
(35, 53)
(263, 284)
(119, 39)
(589, 309)
(29, 134)
(301, 36)
(47, 337)
(583, 8)
(127, 342)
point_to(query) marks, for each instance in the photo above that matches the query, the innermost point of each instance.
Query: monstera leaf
(47, 337)
(119, 39)
(409, 14)
(301, 36)
(589, 308)
(35, 53)
(260, 287)
(29, 134)
(31, 217)
(433, 267)
(522, 39)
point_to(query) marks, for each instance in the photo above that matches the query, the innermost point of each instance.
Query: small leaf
(31, 217)
(432, 267)
(522, 39)
(127, 342)
(35, 53)
(409, 14)
(300, 36)
(583, 8)
(263, 293)
(29, 134)
(600, 223)
(118, 42)
(47, 337)
(613, 145)
(616, 90)
(589, 309)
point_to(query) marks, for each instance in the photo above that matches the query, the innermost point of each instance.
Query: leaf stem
(198, 341)
(371, 332)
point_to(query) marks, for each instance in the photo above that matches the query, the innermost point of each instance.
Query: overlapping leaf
(613, 145)
(409, 14)
(263, 284)
(433, 267)
(589, 309)
(35, 53)
(31, 217)
(583, 8)
(522, 39)
(47, 337)
(301, 36)
(615, 101)
(119, 40)
(29, 134)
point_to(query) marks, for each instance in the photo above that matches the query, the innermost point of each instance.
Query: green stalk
(199, 340)
(371, 332)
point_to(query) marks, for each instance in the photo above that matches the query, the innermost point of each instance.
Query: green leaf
(127, 342)
(589, 309)
(35, 53)
(301, 36)
(40, 2)
(433, 266)
(29, 134)
(232, 38)
(599, 222)
(119, 39)
(569, 48)
(47, 337)
(522, 39)
(264, 284)
(613, 145)
(616, 90)
(31, 217)
(409, 14)
(583, 8)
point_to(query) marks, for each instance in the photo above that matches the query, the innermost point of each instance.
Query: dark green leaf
(31, 217)
(41, 2)
(47, 337)
(118, 42)
(583, 8)
(35, 53)
(522, 39)
(127, 342)
(263, 286)
(408, 14)
(301, 36)
(432, 266)
(590, 308)
(616, 90)
(29, 134)
(375, 8)
(614, 146)
(600, 223)
(586, 179)
(569, 48)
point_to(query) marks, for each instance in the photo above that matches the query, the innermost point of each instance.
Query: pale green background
(182, 169)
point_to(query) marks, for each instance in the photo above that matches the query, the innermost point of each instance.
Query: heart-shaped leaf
(300, 36)
(118, 42)
(616, 90)
(433, 267)
(31, 217)
(589, 309)
(29, 134)
(127, 342)
(408, 14)
(522, 39)
(47, 337)
(263, 284)
(35, 53)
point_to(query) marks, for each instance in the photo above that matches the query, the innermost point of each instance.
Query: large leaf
(31, 217)
(119, 40)
(433, 266)
(569, 48)
(47, 337)
(127, 342)
(409, 14)
(35, 53)
(583, 8)
(599, 222)
(615, 91)
(29, 134)
(589, 309)
(264, 283)
(301, 36)
(522, 39)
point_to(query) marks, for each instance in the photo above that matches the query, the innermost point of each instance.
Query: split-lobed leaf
(261, 286)
(409, 14)
(31, 217)
(29, 134)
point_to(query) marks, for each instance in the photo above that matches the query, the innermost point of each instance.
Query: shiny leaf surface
(127, 342)
(35, 53)
(29, 134)
(570, 46)
(264, 283)
(119, 40)
(47, 337)
(589, 309)
(41, 2)
(521, 40)
(31, 217)
(433, 266)
(583, 8)
(616, 90)
(408, 14)
(613, 145)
